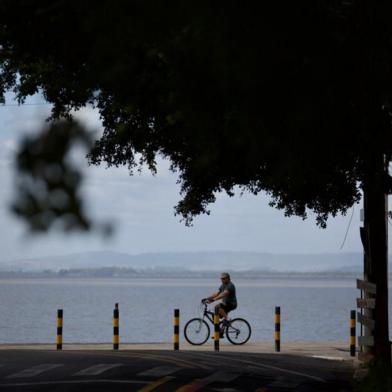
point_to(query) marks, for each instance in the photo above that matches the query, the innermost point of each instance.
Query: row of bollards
(176, 333)
(176, 324)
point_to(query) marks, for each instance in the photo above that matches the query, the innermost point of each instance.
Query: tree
(293, 99)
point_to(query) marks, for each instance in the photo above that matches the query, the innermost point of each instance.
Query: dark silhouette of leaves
(287, 97)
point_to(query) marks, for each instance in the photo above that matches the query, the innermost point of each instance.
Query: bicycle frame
(209, 315)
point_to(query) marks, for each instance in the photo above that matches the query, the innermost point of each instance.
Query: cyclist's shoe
(221, 334)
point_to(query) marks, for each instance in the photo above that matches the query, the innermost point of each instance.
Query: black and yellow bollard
(277, 328)
(176, 324)
(59, 338)
(216, 328)
(352, 333)
(116, 327)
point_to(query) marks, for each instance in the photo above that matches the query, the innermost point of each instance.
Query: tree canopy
(291, 98)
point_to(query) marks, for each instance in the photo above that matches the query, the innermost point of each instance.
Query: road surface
(166, 370)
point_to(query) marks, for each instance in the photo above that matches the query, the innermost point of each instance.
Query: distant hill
(195, 261)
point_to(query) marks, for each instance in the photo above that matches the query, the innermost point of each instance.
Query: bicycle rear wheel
(196, 331)
(238, 331)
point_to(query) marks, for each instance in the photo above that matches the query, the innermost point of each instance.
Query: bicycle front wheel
(196, 331)
(238, 331)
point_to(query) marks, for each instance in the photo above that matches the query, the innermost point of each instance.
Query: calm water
(311, 309)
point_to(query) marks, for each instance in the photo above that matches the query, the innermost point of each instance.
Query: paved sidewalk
(326, 350)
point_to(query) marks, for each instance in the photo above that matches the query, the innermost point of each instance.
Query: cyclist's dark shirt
(231, 299)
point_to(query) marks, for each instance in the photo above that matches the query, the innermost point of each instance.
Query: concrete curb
(323, 350)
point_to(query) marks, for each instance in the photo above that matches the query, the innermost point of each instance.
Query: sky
(141, 209)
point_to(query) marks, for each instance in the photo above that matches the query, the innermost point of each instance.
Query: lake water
(311, 309)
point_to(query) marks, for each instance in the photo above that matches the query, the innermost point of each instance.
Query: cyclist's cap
(225, 275)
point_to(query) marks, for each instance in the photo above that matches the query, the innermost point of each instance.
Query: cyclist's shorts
(227, 307)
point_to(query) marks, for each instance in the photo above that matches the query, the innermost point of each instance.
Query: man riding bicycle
(237, 330)
(226, 293)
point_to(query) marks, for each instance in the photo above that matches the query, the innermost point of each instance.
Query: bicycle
(197, 331)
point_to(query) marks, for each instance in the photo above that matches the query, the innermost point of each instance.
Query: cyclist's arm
(216, 296)
(212, 296)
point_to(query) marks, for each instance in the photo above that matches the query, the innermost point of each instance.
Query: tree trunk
(376, 256)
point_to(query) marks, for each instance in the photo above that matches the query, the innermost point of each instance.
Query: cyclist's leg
(222, 311)
(223, 316)
(227, 308)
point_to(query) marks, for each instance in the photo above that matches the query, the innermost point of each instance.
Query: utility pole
(375, 241)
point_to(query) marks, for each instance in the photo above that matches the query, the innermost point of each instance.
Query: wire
(25, 104)
(348, 228)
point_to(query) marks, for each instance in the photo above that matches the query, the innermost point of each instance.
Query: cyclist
(226, 293)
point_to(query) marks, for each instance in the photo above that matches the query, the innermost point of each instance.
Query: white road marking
(329, 358)
(159, 371)
(34, 371)
(97, 369)
(23, 384)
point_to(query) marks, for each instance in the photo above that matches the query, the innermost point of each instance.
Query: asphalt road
(184, 371)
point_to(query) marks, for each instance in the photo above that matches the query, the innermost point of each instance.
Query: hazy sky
(141, 208)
